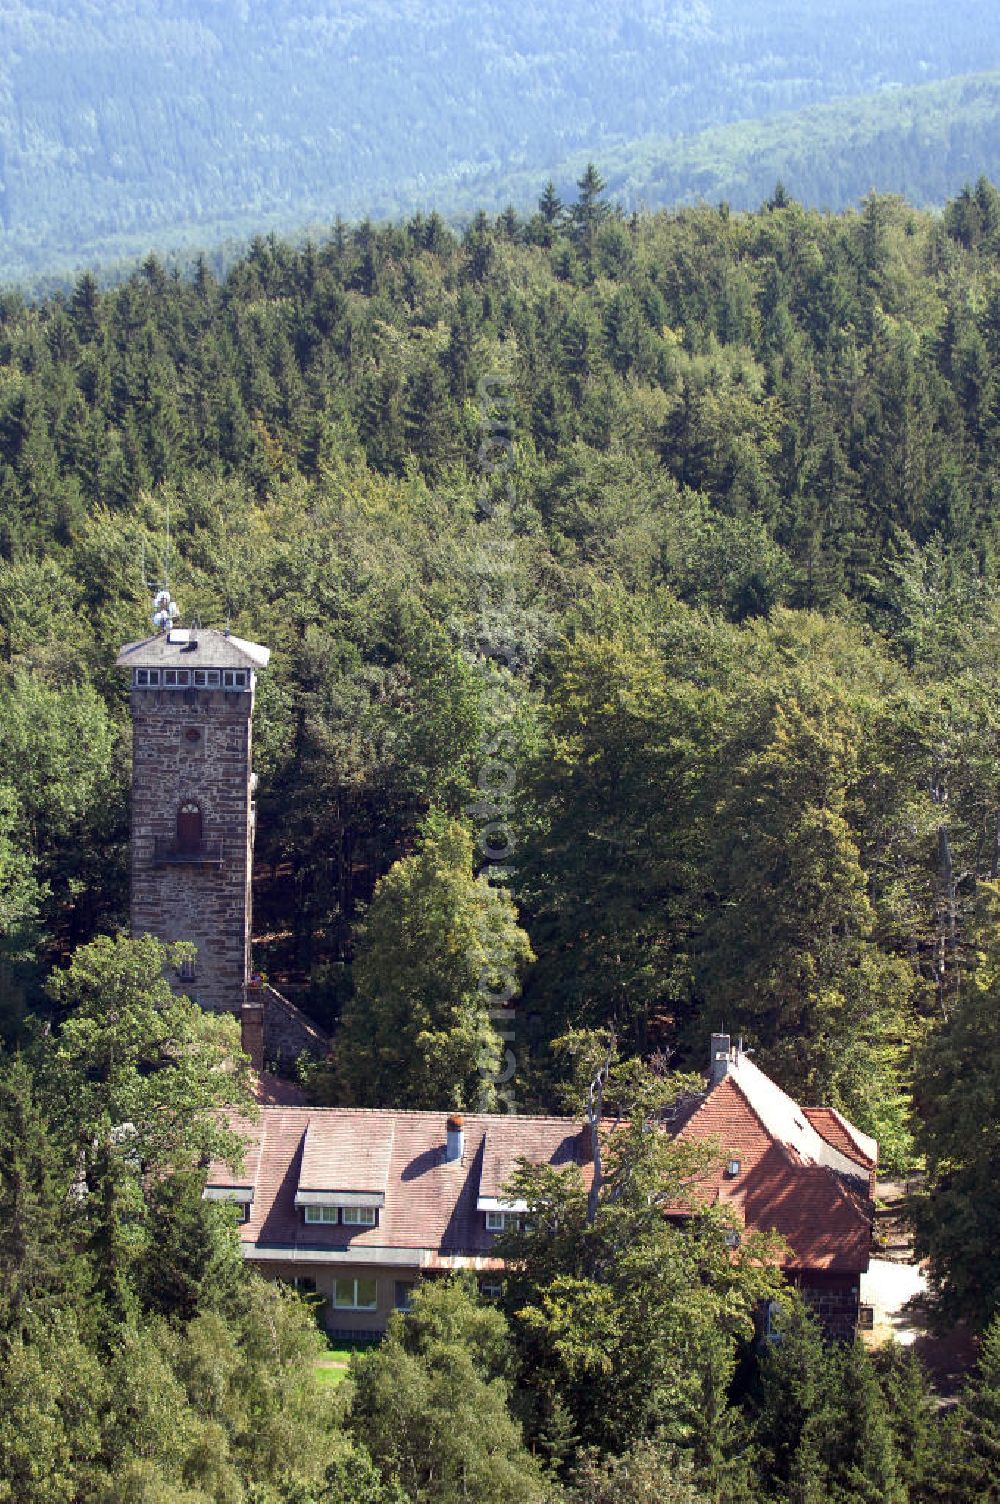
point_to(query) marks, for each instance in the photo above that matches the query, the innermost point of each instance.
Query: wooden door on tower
(189, 827)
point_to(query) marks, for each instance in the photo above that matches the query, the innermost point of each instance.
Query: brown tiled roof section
(837, 1131)
(336, 1157)
(430, 1202)
(220, 1174)
(539, 1140)
(824, 1218)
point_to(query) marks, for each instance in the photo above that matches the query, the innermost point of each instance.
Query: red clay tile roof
(823, 1214)
(802, 1175)
(843, 1135)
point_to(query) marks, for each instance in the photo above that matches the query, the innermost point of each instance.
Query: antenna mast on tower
(165, 608)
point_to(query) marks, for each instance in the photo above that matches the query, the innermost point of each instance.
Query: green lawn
(331, 1367)
(340, 1352)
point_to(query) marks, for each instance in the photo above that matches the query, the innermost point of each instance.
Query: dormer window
(239, 1196)
(501, 1221)
(346, 1216)
(358, 1216)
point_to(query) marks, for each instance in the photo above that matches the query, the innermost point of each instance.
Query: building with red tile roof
(359, 1203)
(806, 1174)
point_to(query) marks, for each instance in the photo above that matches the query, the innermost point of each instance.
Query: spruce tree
(912, 1415)
(39, 1267)
(859, 1446)
(789, 1405)
(979, 1424)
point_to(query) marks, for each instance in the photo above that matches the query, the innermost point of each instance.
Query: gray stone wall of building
(193, 746)
(835, 1300)
(288, 1033)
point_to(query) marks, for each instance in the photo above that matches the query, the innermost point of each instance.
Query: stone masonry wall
(835, 1301)
(288, 1033)
(195, 744)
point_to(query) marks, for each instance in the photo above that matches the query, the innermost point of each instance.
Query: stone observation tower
(192, 799)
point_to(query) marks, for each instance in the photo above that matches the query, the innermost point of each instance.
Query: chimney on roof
(719, 1059)
(252, 1033)
(455, 1145)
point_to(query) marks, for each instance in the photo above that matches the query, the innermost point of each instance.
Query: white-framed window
(490, 1289)
(207, 678)
(176, 678)
(234, 678)
(242, 1211)
(322, 1213)
(500, 1221)
(355, 1294)
(187, 969)
(772, 1321)
(358, 1216)
(146, 678)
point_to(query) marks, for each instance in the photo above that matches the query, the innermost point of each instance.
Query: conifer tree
(40, 1267)
(958, 1083)
(859, 1446)
(978, 1417)
(912, 1414)
(440, 946)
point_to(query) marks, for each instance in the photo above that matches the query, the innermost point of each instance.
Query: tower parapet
(193, 821)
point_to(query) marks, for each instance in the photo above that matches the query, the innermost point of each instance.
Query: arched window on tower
(189, 827)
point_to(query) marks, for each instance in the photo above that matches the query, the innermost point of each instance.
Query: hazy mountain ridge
(204, 120)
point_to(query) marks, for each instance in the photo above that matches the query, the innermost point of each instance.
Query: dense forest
(633, 586)
(922, 142)
(185, 123)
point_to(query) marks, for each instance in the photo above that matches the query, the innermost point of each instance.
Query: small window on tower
(189, 827)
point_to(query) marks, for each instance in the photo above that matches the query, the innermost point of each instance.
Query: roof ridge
(426, 1112)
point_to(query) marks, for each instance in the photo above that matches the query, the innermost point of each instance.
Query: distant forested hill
(184, 121)
(923, 142)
